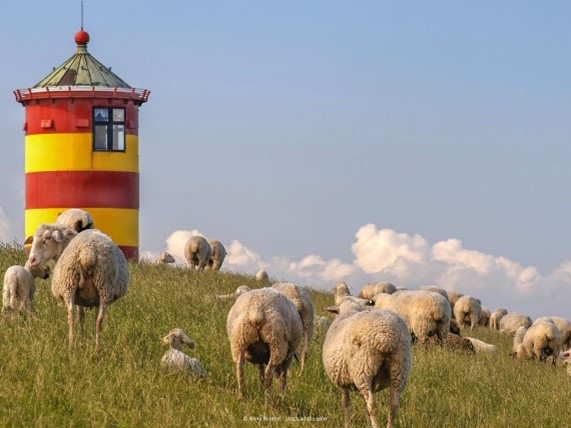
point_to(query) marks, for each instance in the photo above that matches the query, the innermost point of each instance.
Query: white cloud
(4, 226)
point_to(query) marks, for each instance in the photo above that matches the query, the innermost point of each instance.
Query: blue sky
(416, 142)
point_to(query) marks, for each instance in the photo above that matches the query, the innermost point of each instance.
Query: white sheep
(197, 252)
(301, 299)
(480, 346)
(541, 340)
(48, 242)
(496, 316)
(19, 288)
(262, 275)
(218, 254)
(91, 271)
(176, 360)
(566, 358)
(76, 219)
(435, 289)
(425, 313)
(371, 289)
(453, 297)
(265, 329)
(368, 350)
(512, 320)
(467, 311)
(484, 320)
(166, 258)
(564, 326)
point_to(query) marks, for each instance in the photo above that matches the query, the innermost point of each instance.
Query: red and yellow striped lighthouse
(82, 147)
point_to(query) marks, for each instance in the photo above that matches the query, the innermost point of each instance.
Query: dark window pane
(100, 137)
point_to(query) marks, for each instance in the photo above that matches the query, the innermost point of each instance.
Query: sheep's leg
(371, 405)
(305, 349)
(240, 373)
(346, 404)
(71, 318)
(261, 371)
(99, 325)
(268, 377)
(397, 385)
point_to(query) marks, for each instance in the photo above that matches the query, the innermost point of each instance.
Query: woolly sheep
(564, 326)
(425, 313)
(371, 289)
(541, 340)
(368, 350)
(76, 219)
(91, 271)
(175, 359)
(165, 257)
(435, 289)
(197, 252)
(484, 320)
(512, 320)
(301, 299)
(453, 297)
(218, 254)
(481, 346)
(265, 329)
(467, 310)
(496, 316)
(19, 288)
(262, 275)
(566, 357)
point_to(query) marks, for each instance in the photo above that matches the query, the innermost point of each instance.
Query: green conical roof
(82, 69)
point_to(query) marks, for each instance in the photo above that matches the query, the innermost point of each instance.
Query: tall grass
(43, 383)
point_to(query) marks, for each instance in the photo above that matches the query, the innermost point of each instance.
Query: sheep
(368, 350)
(566, 357)
(484, 320)
(19, 288)
(341, 291)
(541, 340)
(518, 339)
(91, 271)
(301, 299)
(435, 289)
(512, 320)
(467, 310)
(178, 361)
(455, 341)
(425, 313)
(218, 254)
(481, 346)
(48, 242)
(371, 289)
(264, 328)
(197, 252)
(564, 327)
(165, 257)
(262, 275)
(453, 297)
(496, 316)
(76, 219)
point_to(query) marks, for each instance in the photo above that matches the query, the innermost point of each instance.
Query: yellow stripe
(73, 152)
(122, 225)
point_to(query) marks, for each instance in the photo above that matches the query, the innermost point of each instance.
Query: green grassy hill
(42, 383)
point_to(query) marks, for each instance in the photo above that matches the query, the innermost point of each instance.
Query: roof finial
(82, 14)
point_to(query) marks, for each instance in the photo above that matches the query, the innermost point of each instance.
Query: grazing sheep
(467, 310)
(543, 319)
(496, 316)
(218, 254)
(91, 271)
(453, 297)
(481, 346)
(240, 290)
(425, 313)
(368, 350)
(455, 341)
(512, 320)
(484, 320)
(166, 258)
(19, 288)
(541, 340)
(265, 329)
(564, 326)
(197, 252)
(178, 361)
(76, 219)
(262, 275)
(301, 299)
(371, 289)
(435, 289)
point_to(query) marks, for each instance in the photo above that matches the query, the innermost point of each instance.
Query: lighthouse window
(109, 129)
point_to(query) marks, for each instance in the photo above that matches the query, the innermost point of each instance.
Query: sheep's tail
(256, 317)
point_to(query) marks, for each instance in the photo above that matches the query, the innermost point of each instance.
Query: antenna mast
(82, 14)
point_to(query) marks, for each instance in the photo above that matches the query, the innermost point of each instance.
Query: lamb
(218, 254)
(165, 257)
(425, 313)
(368, 350)
(176, 360)
(19, 288)
(511, 321)
(301, 299)
(91, 271)
(484, 320)
(262, 275)
(467, 310)
(265, 329)
(197, 252)
(76, 219)
(541, 340)
(371, 289)
(496, 316)
(481, 346)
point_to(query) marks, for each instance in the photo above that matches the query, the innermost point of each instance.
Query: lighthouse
(82, 147)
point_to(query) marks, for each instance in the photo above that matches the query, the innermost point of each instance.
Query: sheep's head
(42, 272)
(48, 242)
(166, 257)
(176, 338)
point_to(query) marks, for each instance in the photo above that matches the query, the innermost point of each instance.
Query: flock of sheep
(367, 347)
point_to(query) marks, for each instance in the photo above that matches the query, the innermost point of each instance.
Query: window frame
(109, 125)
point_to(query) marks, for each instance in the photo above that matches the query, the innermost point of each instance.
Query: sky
(413, 142)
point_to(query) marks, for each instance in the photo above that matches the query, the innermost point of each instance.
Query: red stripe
(131, 253)
(69, 189)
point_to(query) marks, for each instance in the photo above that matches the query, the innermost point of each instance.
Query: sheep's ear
(333, 309)
(29, 240)
(57, 235)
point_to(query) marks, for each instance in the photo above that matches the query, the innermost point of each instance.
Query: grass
(44, 384)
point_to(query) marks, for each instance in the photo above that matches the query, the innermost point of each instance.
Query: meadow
(45, 384)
